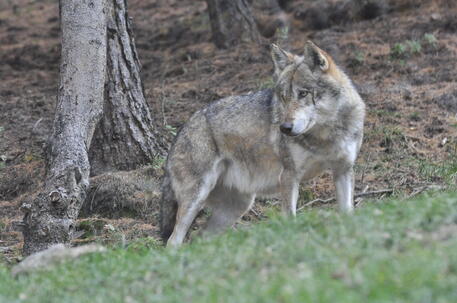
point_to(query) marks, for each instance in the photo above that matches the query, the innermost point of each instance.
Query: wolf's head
(308, 87)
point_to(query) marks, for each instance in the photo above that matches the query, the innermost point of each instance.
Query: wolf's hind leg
(184, 218)
(191, 200)
(227, 205)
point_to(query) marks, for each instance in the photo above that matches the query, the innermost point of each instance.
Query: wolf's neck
(347, 119)
(351, 112)
(276, 110)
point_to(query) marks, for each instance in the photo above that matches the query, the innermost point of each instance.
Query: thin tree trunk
(272, 21)
(126, 136)
(49, 217)
(232, 22)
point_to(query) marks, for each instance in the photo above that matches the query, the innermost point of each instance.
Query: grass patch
(431, 40)
(159, 161)
(265, 83)
(399, 50)
(397, 251)
(173, 131)
(357, 59)
(412, 47)
(445, 171)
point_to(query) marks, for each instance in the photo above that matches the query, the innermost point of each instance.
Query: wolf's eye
(302, 94)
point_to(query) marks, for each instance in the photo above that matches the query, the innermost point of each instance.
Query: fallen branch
(256, 214)
(374, 192)
(421, 189)
(358, 195)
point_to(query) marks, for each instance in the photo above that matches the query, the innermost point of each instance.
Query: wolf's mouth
(298, 129)
(293, 134)
(308, 126)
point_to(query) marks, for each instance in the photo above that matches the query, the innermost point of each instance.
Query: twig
(315, 201)
(358, 195)
(93, 197)
(420, 190)
(365, 168)
(256, 214)
(36, 124)
(374, 192)
(417, 191)
(411, 145)
(17, 156)
(162, 108)
(381, 192)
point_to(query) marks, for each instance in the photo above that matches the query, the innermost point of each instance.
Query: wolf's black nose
(286, 128)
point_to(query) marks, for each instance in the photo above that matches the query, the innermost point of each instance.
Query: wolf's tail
(168, 209)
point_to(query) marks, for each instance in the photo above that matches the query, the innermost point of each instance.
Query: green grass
(399, 50)
(406, 49)
(444, 171)
(430, 39)
(357, 59)
(395, 251)
(412, 47)
(265, 83)
(159, 161)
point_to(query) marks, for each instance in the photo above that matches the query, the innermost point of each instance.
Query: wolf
(264, 143)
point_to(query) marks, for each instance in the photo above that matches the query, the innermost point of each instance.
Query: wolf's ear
(315, 57)
(280, 58)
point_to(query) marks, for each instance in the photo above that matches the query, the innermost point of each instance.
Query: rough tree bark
(232, 22)
(126, 137)
(49, 217)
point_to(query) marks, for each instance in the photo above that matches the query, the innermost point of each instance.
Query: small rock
(435, 16)
(53, 255)
(443, 142)
(4, 249)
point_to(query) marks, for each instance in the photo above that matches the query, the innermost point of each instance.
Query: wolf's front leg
(289, 197)
(344, 184)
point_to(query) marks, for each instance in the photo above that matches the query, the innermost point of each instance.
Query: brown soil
(411, 97)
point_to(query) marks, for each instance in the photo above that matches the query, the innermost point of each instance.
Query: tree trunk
(126, 137)
(49, 218)
(272, 21)
(232, 22)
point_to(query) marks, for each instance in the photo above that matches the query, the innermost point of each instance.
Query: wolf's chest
(310, 162)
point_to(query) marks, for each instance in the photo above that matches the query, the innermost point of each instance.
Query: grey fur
(233, 150)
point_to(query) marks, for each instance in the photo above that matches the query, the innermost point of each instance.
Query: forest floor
(402, 62)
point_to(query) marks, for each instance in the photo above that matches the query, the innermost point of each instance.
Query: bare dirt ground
(402, 62)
